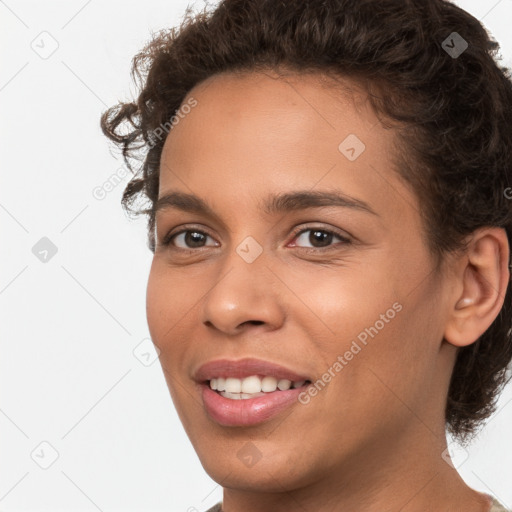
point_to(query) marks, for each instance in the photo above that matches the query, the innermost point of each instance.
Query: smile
(247, 392)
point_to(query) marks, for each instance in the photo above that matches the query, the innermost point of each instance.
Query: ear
(482, 277)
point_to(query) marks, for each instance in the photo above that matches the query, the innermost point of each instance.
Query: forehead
(291, 101)
(257, 132)
(239, 114)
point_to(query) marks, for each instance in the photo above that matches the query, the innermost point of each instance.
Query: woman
(328, 204)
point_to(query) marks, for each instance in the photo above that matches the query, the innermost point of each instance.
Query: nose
(243, 297)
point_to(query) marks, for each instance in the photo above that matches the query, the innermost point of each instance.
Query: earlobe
(483, 276)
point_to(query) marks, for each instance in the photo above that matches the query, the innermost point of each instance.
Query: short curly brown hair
(455, 114)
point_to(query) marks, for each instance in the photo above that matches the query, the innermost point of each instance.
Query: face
(340, 294)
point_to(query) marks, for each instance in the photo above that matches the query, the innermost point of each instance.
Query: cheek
(166, 308)
(391, 374)
(157, 304)
(170, 296)
(339, 306)
(380, 332)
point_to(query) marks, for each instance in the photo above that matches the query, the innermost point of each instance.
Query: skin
(373, 438)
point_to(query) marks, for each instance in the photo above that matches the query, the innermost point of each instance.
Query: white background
(69, 327)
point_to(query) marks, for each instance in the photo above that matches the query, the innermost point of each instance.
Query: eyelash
(166, 242)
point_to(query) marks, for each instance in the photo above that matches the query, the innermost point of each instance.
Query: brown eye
(188, 238)
(319, 238)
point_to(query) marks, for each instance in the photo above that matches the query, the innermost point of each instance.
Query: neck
(407, 473)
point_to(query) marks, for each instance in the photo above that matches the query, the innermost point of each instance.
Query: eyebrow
(273, 204)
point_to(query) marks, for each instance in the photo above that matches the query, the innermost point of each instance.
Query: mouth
(249, 391)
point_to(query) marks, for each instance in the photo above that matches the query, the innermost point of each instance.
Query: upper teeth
(253, 384)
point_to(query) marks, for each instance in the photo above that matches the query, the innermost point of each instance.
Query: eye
(189, 238)
(320, 238)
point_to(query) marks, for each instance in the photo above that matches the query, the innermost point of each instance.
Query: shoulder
(218, 508)
(497, 506)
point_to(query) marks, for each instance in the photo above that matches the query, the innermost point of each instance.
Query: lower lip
(250, 411)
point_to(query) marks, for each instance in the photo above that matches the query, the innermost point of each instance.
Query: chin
(253, 479)
(263, 473)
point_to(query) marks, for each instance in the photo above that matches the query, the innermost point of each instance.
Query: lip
(245, 368)
(251, 411)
